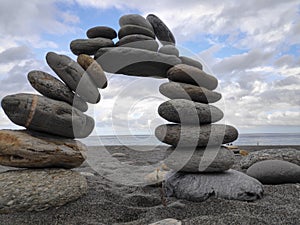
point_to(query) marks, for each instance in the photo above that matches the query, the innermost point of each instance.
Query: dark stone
(135, 19)
(162, 32)
(133, 29)
(101, 31)
(47, 115)
(195, 135)
(53, 88)
(138, 41)
(275, 172)
(198, 187)
(169, 50)
(20, 148)
(192, 75)
(191, 62)
(135, 62)
(176, 90)
(188, 112)
(89, 46)
(74, 76)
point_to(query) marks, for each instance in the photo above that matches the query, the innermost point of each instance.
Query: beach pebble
(135, 62)
(162, 32)
(198, 187)
(102, 32)
(203, 160)
(275, 172)
(135, 19)
(53, 88)
(155, 178)
(134, 29)
(169, 50)
(20, 148)
(118, 154)
(89, 46)
(191, 62)
(74, 76)
(93, 69)
(43, 114)
(168, 221)
(286, 154)
(188, 112)
(192, 75)
(39, 189)
(176, 90)
(195, 135)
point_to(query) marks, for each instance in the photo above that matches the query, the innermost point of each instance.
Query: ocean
(244, 139)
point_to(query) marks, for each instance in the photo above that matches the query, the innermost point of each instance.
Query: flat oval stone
(134, 29)
(192, 75)
(74, 76)
(101, 31)
(93, 69)
(135, 62)
(176, 90)
(200, 160)
(133, 38)
(188, 112)
(89, 46)
(162, 32)
(135, 19)
(20, 148)
(195, 135)
(39, 189)
(53, 88)
(169, 50)
(150, 45)
(43, 114)
(191, 62)
(275, 172)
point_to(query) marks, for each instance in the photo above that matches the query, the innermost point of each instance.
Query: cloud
(15, 54)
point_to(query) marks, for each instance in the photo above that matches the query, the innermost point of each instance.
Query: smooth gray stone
(169, 50)
(150, 45)
(135, 62)
(74, 76)
(162, 32)
(275, 172)
(200, 160)
(43, 114)
(286, 154)
(39, 189)
(133, 38)
(101, 31)
(134, 29)
(135, 19)
(168, 221)
(176, 90)
(195, 135)
(191, 62)
(188, 112)
(230, 184)
(89, 46)
(53, 88)
(192, 75)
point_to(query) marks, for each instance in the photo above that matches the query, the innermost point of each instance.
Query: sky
(251, 47)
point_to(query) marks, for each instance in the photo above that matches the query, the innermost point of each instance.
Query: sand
(108, 202)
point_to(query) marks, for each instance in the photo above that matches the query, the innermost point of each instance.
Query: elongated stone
(23, 148)
(89, 46)
(74, 76)
(138, 41)
(135, 19)
(43, 114)
(192, 75)
(176, 90)
(133, 38)
(53, 88)
(93, 69)
(101, 31)
(188, 112)
(169, 50)
(134, 29)
(195, 135)
(191, 62)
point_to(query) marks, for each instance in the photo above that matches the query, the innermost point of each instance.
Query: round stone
(162, 32)
(135, 19)
(47, 115)
(134, 29)
(191, 62)
(192, 75)
(176, 90)
(101, 31)
(169, 50)
(89, 46)
(188, 112)
(275, 172)
(195, 135)
(53, 88)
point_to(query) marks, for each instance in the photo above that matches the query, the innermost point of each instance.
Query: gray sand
(111, 203)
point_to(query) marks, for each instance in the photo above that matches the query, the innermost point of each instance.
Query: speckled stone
(135, 19)
(39, 189)
(101, 31)
(191, 62)
(134, 29)
(89, 46)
